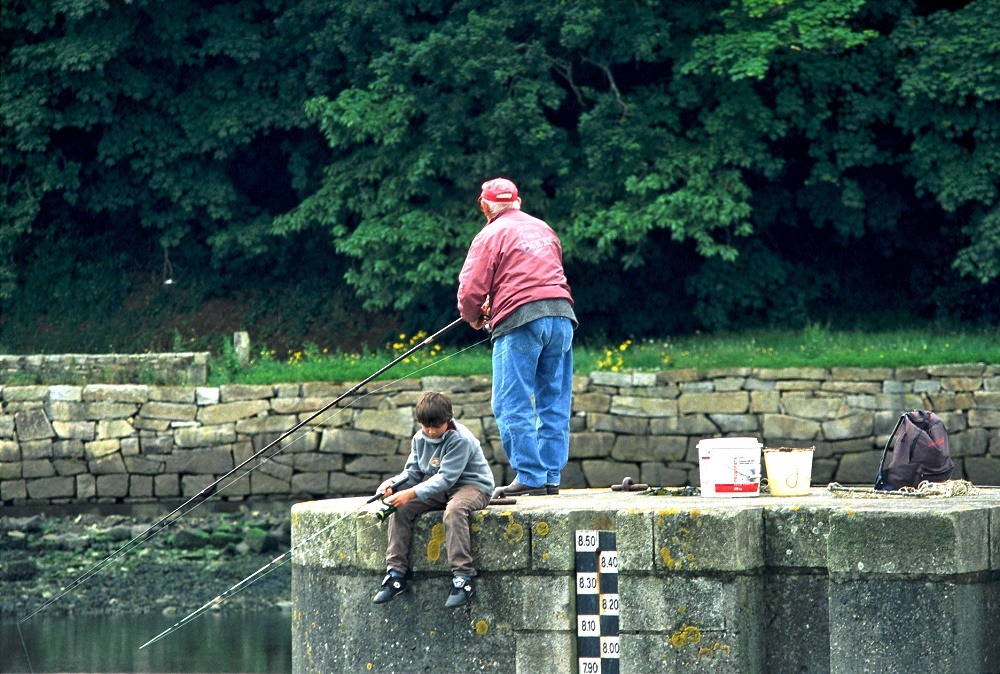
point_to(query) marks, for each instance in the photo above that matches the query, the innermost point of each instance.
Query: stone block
(296, 405)
(144, 424)
(732, 402)
(983, 470)
(230, 412)
(233, 392)
(140, 486)
(156, 444)
(86, 487)
(51, 487)
(555, 649)
(617, 424)
(7, 426)
(205, 436)
(943, 627)
(796, 537)
(678, 376)
(607, 473)
(321, 462)
(375, 464)
(634, 406)
(447, 384)
(276, 423)
(859, 468)
(867, 540)
(926, 386)
(33, 425)
(350, 485)
(170, 411)
(261, 483)
(957, 370)
(10, 450)
(13, 489)
(69, 466)
(101, 448)
(698, 387)
(961, 383)
(205, 395)
(192, 485)
(112, 486)
(618, 379)
(817, 409)
(107, 465)
(211, 460)
(74, 430)
(718, 540)
(397, 423)
(972, 442)
(735, 423)
(549, 603)
(868, 387)
(729, 383)
(273, 468)
(754, 384)
(861, 373)
(501, 541)
(13, 394)
(10, 471)
(119, 393)
(984, 418)
(143, 466)
(658, 475)
(797, 632)
(36, 449)
(592, 402)
(310, 483)
(67, 394)
(341, 441)
(172, 394)
(855, 426)
(114, 429)
(794, 428)
(166, 486)
(37, 468)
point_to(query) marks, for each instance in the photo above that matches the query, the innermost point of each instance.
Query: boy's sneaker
(391, 586)
(460, 593)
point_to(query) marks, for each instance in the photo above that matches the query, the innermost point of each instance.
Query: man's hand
(485, 309)
(402, 497)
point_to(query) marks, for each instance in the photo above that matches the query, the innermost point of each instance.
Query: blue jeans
(535, 359)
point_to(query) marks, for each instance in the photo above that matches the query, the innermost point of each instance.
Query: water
(214, 642)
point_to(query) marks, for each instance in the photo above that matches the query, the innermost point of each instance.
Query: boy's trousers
(457, 503)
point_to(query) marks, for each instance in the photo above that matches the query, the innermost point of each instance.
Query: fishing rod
(273, 565)
(180, 511)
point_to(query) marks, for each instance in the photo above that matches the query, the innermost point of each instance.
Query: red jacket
(515, 259)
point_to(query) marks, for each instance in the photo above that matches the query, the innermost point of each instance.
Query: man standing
(513, 277)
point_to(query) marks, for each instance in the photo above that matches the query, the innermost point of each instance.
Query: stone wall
(133, 443)
(189, 369)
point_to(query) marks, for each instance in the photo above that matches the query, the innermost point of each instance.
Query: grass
(814, 346)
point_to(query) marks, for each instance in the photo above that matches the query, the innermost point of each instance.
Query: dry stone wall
(133, 443)
(188, 368)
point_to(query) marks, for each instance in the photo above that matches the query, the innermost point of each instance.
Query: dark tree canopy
(714, 164)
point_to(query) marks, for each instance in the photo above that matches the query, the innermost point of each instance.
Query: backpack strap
(880, 475)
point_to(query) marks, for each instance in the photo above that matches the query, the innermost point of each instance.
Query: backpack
(920, 453)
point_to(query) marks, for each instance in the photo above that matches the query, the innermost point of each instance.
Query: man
(513, 278)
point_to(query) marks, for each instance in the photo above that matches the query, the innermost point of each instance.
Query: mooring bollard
(241, 345)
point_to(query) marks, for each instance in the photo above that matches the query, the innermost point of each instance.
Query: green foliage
(742, 162)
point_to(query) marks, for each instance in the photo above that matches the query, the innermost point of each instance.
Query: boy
(449, 472)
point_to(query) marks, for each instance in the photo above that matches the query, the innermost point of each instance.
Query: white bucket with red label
(729, 467)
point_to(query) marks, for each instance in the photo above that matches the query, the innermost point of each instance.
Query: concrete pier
(756, 585)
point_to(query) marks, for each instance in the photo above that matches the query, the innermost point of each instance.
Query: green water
(249, 642)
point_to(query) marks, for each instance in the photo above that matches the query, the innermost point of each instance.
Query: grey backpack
(920, 453)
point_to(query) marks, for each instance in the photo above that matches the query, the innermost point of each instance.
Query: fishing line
(25, 648)
(273, 565)
(207, 492)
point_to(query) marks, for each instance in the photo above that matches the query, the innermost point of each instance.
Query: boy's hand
(402, 497)
(385, 488)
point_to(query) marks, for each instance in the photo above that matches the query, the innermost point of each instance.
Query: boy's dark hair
(433, 409)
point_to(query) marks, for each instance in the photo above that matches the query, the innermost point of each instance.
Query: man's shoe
(515, 488)
(551, 489)
(391, 586)
(460, 593)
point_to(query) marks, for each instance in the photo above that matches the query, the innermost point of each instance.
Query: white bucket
(729, 467)
(789, 471)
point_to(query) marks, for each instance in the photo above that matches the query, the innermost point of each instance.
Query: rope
(925, 489)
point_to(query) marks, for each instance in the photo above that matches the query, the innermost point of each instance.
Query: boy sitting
(448, 470)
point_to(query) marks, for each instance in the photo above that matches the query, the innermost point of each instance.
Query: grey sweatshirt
(456, 458)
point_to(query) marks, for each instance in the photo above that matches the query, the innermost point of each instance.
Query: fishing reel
(383, 514)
